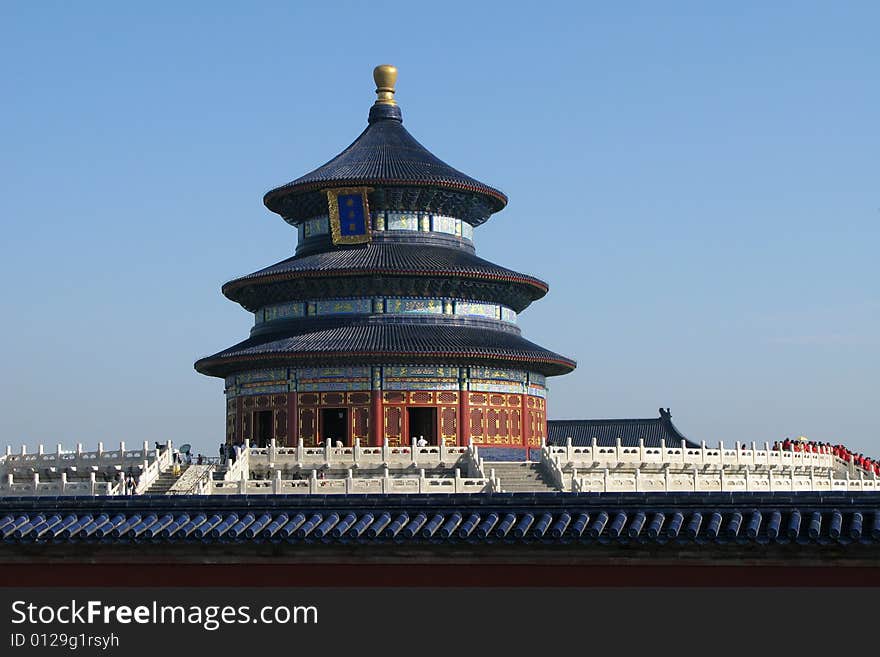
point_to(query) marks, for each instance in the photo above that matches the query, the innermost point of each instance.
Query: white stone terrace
(744, 467)
(79, 472)
(330, 470)
(387, 470)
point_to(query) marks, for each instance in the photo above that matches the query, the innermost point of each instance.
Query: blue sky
(696, 181)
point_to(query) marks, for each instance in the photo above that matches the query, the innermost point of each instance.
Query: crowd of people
(841, 452)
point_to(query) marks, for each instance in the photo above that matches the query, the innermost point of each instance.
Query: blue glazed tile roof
(606, 432)
(369, 338)
(386, 154)
(606, 519)
(389, 258)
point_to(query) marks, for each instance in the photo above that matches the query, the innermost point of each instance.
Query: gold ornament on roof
(385, 76)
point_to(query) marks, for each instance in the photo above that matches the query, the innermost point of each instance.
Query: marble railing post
(457, 480)
(63, 482)
(299, 451)
(100, 449)
(276, 482)
(385, 450)
(272, 450)
(356, 452)
(313, 482)
(92, 483)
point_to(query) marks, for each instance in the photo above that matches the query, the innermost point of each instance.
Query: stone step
(164, 482)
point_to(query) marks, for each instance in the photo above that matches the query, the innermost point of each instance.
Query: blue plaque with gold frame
(349, 215)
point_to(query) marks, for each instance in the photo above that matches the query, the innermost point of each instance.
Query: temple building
(385, 327)
(386, 333)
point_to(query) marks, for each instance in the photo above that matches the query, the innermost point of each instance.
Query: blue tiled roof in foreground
(834, 519)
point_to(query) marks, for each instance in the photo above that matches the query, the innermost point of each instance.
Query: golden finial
(385, 77)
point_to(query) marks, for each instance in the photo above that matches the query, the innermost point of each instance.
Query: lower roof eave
(222, 366)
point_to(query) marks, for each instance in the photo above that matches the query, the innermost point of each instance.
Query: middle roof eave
(392, 258)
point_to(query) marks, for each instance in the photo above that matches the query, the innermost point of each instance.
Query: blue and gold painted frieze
(537, 379)
(420, 378)
(478, 309)
(255, 376)
(394, 220)
(343, 306)
(386, 305)
(388, 377)
(421, 371)
(281, 311)
(332, 373)
(478, 385)
(417, 306)
(314, 227)
(421, 384)
(402, 221)
(497, 374)
(333, 386)
(263, 389)
(449, 225)
(331, 379)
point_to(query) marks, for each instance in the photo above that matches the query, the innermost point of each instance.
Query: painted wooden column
(292, 418)
(376, 418)
(464, 426)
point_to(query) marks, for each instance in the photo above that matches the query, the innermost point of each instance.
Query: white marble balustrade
(740, 455)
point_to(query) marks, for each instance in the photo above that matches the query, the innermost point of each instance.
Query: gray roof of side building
(606, 432)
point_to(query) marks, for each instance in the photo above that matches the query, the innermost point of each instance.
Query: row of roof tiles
(738, 526)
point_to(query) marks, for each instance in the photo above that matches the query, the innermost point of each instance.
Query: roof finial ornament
(385, 76)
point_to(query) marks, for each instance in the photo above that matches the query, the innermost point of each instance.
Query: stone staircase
(164, 482)
(521, 477)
